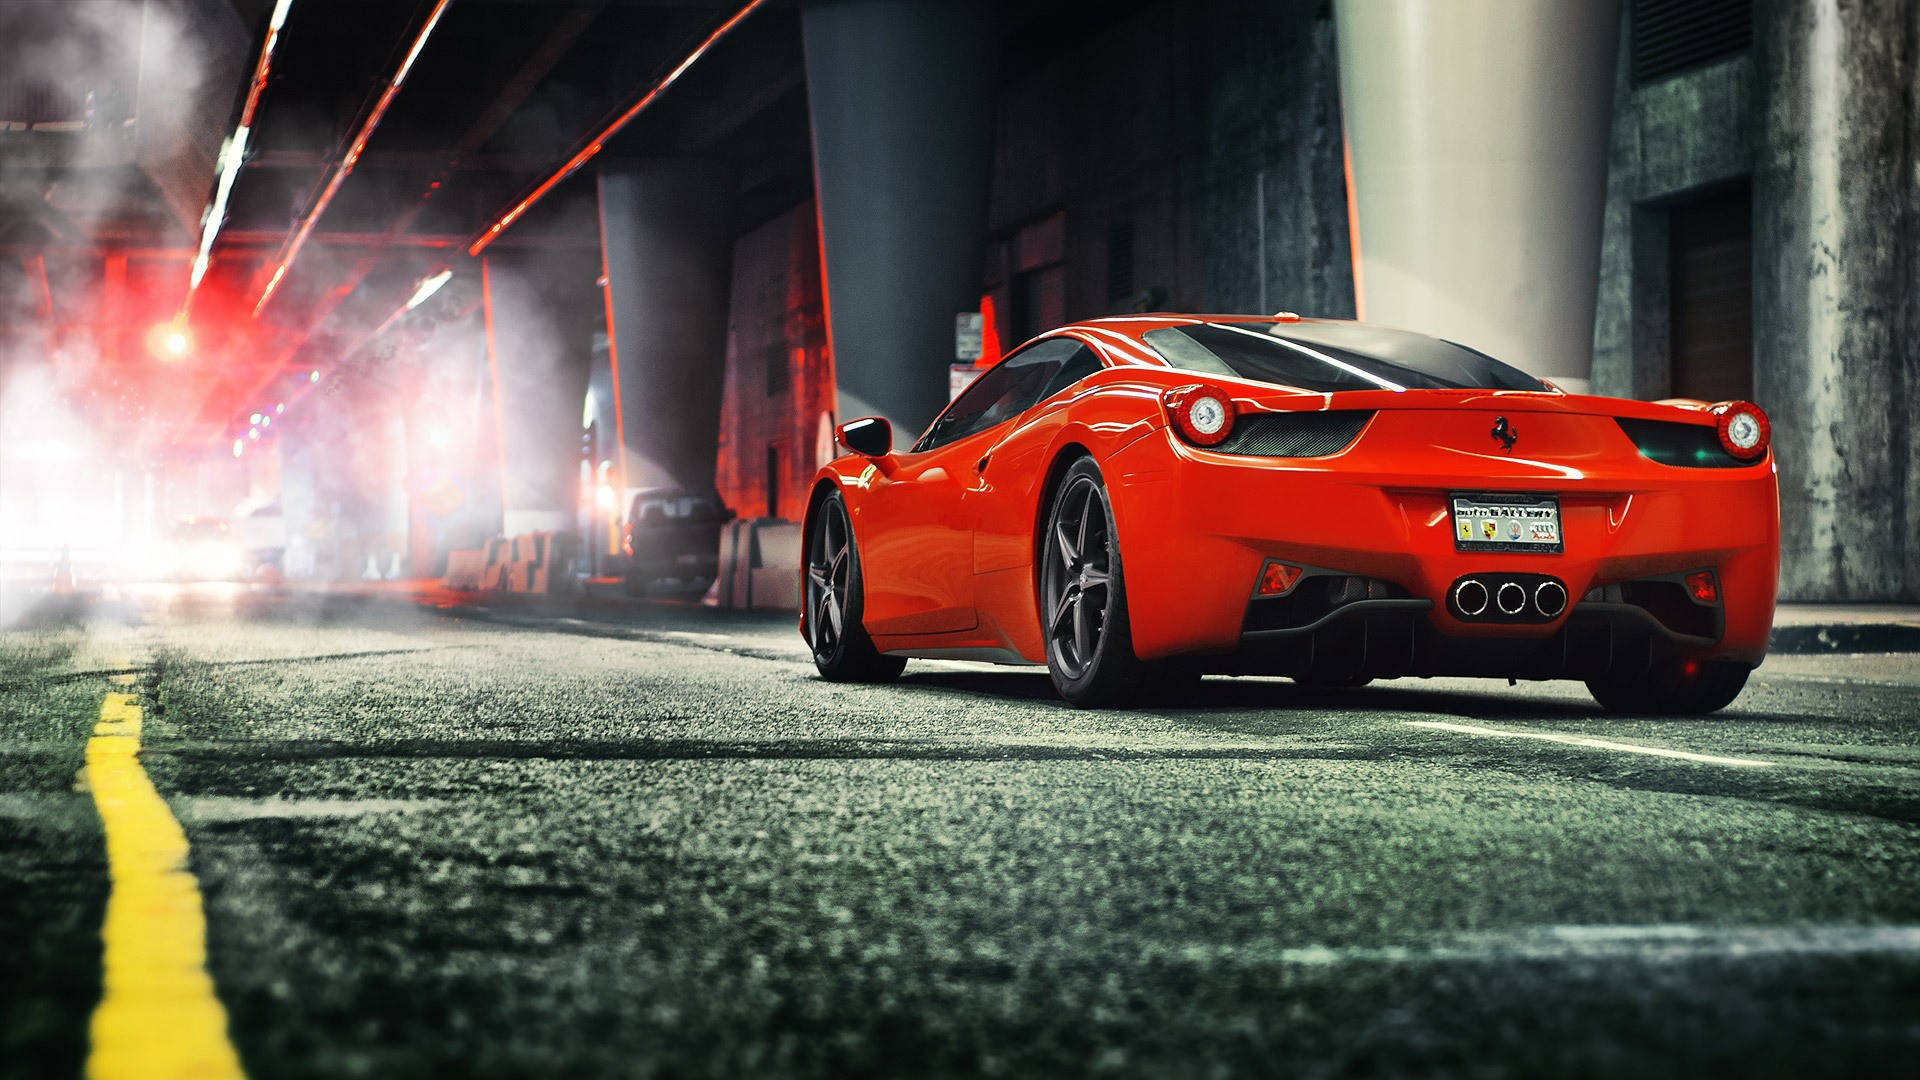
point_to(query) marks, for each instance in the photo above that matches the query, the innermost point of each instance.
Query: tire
(1083, 596)
(1172, 682)
(835, 602)
(1338, 682)
(1673, 688)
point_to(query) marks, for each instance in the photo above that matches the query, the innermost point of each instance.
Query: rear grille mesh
(1298, 434)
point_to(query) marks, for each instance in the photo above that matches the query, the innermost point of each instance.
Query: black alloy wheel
(834, 603)
(1083, 597)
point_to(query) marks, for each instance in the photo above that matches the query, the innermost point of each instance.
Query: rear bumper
(1196, 528)
(1393, 638)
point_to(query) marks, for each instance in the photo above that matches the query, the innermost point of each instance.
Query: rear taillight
(1202, 414)
(1703, 587)
(1744, 430)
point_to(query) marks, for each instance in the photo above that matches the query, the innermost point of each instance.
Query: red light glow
(1703, 587)
(169, 341)
(1278, 578)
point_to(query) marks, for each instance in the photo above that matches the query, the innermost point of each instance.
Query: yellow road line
(158, 1016)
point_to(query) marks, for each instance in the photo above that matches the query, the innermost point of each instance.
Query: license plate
(1529, 523)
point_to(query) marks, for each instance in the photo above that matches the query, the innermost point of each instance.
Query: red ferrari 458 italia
(1136, 502)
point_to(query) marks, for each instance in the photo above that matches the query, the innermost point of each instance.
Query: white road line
(208, 809)
(1590, 743)
(1658, 943)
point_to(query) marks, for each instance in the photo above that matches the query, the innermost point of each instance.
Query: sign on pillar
(969, 332)
(969, 335)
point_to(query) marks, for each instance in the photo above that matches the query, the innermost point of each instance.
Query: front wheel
(1673, 688)
(841, 648)
(1083, 595)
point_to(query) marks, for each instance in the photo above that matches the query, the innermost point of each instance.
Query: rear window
(1328, 357)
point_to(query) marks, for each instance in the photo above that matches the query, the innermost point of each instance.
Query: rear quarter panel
(1096, 417)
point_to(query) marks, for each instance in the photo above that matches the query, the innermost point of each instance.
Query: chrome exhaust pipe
(1550, 598)
(1470, 597)
(1511, 598)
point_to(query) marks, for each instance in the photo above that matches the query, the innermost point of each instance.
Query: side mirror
(871, 436)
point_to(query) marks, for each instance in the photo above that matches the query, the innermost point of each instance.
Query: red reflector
(1278, 579)
(1703, 587)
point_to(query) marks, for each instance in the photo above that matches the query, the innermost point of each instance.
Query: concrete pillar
(1835, 257)
(666, 234)
(901, 93)
(539, 315)
(1477, 134)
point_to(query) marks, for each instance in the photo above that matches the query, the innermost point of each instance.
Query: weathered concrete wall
(779, 389)
(1907, 406)
(1836, 196)
(1823, 120)
(1213, 128)
(1275, 233)
(1671, 137)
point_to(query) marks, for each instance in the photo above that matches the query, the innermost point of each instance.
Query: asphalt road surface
(498, 843)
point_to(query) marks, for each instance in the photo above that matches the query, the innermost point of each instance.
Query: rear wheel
(1083, 596)
(841, 648)
(1673, 688)
(1334, 682)
(1173, 682)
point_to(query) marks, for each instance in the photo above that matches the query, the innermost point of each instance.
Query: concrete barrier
(551, 572)
(535, 563)
(494, 573)
(774, 576)
(759, 565)
(524, 562)
(464, 568)
(732, 538)
(541, 563)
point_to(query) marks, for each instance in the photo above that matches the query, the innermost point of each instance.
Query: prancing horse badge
(1506, 433)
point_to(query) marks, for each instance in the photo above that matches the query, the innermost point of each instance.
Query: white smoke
(104, 118)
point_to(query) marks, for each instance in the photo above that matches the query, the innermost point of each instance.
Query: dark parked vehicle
(673, 541)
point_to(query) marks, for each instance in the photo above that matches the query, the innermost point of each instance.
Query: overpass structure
(485, 265)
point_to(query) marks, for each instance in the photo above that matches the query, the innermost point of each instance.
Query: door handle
(982, 465)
